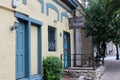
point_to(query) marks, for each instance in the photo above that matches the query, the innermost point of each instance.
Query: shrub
(52, 68)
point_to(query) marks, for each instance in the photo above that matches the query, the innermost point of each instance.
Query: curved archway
(49, 5)
(65, 15)
(42, 3)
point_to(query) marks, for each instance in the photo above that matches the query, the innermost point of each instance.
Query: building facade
(41, 30)
(84, 45)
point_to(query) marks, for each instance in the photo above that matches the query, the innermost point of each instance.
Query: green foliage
(111, 6)
(97, 22)
(102, 21)
(52, 68)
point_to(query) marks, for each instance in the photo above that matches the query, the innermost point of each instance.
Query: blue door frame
(67, 59)
(27, 21)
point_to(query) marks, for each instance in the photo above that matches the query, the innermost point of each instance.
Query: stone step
(88, 74)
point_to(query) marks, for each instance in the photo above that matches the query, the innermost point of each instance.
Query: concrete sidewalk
(112, 71)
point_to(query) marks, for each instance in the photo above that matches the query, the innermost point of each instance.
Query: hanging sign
(76, 22)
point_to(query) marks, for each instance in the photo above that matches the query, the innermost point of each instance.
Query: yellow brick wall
(33, 9)
(7, 37)
(7, 45)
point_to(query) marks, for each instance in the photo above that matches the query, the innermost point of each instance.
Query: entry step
(23, 79)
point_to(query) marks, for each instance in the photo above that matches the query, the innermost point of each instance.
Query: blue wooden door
(66, 50)
(20, 51)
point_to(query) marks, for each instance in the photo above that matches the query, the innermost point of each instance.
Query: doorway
(20, 50)
(66, 43)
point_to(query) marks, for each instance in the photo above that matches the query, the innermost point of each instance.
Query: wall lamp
(60, 34)
(55, 21)
(14, 3)
(16, 23)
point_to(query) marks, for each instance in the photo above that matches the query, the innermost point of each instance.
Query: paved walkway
(112, 71)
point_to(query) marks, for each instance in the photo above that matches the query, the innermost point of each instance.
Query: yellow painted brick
(7, 49)
(33, 10)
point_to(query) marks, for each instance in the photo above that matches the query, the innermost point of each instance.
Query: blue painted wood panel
(36, 77)
(65, 52)
(67, 60)
(20, 51)
(27, 55)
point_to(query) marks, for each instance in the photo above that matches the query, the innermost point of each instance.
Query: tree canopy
(103, 20)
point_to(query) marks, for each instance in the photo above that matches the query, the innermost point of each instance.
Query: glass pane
(51, 39)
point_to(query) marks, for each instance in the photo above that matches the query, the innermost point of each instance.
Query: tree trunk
(98, 48)
(117, 54)
(98, 51)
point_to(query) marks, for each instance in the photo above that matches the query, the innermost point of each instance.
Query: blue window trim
(28, 42)
(39, 51)
(36, 77)
(65, 15)
(49, 5)
(27, 18)
(25, 1)
(36, 22)
(42, 3)
(60, 4)
(28, 45)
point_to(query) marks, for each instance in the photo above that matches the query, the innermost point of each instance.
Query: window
(51, 39)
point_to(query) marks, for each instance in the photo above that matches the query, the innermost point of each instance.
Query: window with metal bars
(51, 39)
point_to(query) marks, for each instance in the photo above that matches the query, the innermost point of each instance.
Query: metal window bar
(51, 39)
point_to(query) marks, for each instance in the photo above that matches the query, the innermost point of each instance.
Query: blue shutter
(20, 51)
